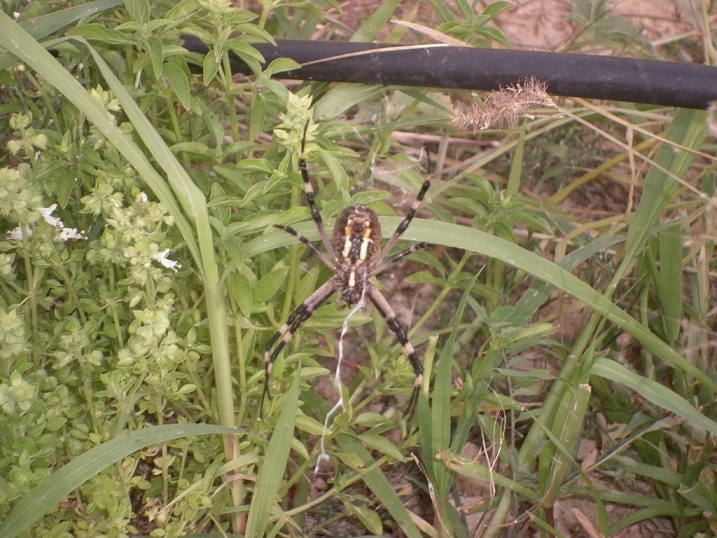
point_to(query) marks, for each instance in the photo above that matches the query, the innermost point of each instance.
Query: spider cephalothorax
(355, 255)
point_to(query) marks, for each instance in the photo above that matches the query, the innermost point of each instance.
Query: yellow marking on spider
(365, 243)
(347, 235)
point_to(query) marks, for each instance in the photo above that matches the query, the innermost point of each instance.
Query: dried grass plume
(503, 108)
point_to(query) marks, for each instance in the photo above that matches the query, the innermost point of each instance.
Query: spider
(354, 255)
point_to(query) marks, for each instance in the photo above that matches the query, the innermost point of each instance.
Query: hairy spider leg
(396, 328)
(315, 214)
(398, 257)
(313, 248)
(403, 225)
(286, 332)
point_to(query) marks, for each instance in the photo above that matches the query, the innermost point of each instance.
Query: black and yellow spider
(355, 255)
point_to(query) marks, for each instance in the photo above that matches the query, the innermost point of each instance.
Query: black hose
(571, 75)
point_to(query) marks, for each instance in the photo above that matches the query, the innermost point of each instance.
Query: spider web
(323, 455)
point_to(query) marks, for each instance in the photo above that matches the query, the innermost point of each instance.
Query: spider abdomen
(357, 235)
(352, 282)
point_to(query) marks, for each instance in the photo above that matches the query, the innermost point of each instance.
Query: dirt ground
(546, 24)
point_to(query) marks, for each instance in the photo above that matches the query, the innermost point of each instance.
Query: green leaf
(435, 423)
(309, 424)
(102, 34)
(138, 10)
(269, 284)
(496, 8)
(495, 35)
(368, 519)
(66, 182)
(182, 198)
(257, 115)
(210, 67)
(155, 48)
(476, 470)
(242, 292)
(179, 82)
(382, 445)
(281, 65)
(193, 147)
(248, 54)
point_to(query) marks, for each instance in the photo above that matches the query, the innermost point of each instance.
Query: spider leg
(320, 255)
(398, 257)
(389, 315)
(315, 214)
(404, 223)
(287, 330)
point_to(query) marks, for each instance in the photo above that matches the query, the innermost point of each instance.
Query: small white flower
(65, 233)
(161, 257)
(16, 234)
(46, 213)
(71, 233)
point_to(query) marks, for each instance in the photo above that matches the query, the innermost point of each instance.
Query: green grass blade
(45, 497)
(45, 25)
(668, 285)
(274, 467)
(688, 129)
(478, 471)
(653, 392)
(568, 427)
(379, 485)
(342, 97)
(440, 415)
(375, 22)
(539, 292)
